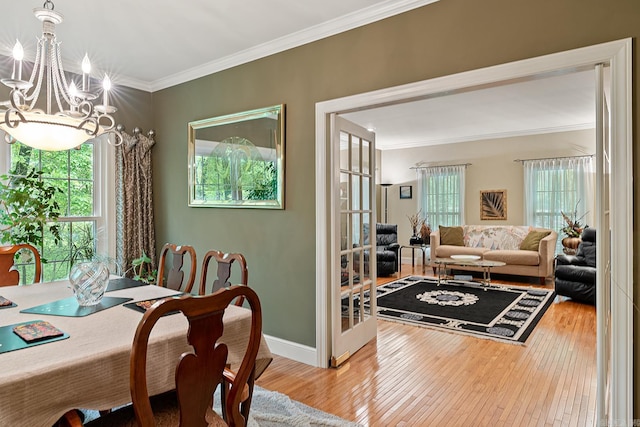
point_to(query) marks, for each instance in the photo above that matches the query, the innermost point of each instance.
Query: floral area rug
(503, 313)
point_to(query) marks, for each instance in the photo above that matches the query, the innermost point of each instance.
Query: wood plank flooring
(413, 376)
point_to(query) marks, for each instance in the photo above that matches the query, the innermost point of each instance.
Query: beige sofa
(500, 243)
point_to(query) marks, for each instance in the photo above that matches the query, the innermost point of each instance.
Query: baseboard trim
(294, 351)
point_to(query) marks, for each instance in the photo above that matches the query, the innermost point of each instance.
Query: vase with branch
(572, 230)
(419, 228)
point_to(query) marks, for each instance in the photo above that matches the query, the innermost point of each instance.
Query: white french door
(353, 258)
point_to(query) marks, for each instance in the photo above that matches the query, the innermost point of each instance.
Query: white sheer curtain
(441, 194)
(560, 184)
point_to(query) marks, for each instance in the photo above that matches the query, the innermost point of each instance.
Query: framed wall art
(406, 192)
(493, 204)
(237, 160)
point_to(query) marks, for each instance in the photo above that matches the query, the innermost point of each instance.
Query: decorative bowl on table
(466, 257)
(89, 281)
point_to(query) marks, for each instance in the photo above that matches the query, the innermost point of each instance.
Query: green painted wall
(447, 37)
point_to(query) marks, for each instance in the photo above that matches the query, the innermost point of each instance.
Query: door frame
(618, 55)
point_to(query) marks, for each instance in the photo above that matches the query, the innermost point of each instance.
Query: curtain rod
(553, 158)
(439, 166)
(137, 131)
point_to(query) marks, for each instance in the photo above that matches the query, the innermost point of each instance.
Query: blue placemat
(123, 283)
(10, 341)
(3, 299)
(69, 307)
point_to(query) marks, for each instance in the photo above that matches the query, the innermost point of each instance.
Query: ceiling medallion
(69, 127)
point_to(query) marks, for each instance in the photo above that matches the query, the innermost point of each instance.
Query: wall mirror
(237, 160)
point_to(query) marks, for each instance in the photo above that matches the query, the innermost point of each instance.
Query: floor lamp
(386, 198)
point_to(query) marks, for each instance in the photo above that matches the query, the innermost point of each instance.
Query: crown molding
(344, 23)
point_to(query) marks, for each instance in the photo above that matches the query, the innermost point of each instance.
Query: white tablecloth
(90, 369)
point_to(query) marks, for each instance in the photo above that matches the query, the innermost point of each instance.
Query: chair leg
(70, 419)
(246, 404)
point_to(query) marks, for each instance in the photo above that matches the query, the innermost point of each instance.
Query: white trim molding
(291, 350)
(616, 54)
(359, 18)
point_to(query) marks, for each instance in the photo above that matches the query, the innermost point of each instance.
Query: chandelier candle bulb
(86, 72)
(106, 84)
(18, 56)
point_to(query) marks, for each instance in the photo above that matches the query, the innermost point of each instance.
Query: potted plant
(142, 270)
(27, 208)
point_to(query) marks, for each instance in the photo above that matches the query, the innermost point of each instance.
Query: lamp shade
(50, 133)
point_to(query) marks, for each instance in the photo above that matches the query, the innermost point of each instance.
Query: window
(76, 173)
(441, 194)
(555, 185)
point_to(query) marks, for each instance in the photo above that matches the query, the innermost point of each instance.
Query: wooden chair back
(9, 274)
(199, 372)
(175, 275)
(225, 262)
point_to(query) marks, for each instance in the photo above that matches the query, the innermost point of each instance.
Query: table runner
(91, 368)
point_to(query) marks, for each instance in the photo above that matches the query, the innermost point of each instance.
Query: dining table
(90, 367)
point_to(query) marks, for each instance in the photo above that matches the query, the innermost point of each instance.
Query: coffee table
(486, 266)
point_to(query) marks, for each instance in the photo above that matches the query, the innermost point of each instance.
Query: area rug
(273, 409)
(503, 313)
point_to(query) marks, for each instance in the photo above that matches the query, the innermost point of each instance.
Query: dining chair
(198, 373)
(9, 274)
(225, 262)
(175, 274)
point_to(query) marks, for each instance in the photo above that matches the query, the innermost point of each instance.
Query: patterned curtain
(134, 199)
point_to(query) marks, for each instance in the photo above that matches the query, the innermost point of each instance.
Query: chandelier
(77, 119)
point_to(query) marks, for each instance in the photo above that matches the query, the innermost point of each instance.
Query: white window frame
(104, 194)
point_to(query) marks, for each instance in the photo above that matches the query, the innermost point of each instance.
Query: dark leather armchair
(576, 274)
(386, 248)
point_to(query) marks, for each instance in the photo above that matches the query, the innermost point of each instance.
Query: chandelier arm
(110, 119)
(14, 98)
(13, 123)
(61, 80)
(91, 121)
(54, 75)
(36, 63)
(118, 138)
(57, 90)
(86, 108)
(40, 59)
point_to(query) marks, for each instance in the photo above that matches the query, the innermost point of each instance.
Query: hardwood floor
(413, 376)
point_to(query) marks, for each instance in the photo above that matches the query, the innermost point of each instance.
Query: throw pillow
(451, 236)
(532, 241)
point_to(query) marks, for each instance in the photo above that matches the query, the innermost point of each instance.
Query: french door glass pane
(366, 155)
(355, 154)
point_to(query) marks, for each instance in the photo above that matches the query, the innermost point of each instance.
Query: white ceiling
(154, 44)
(554, 104)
